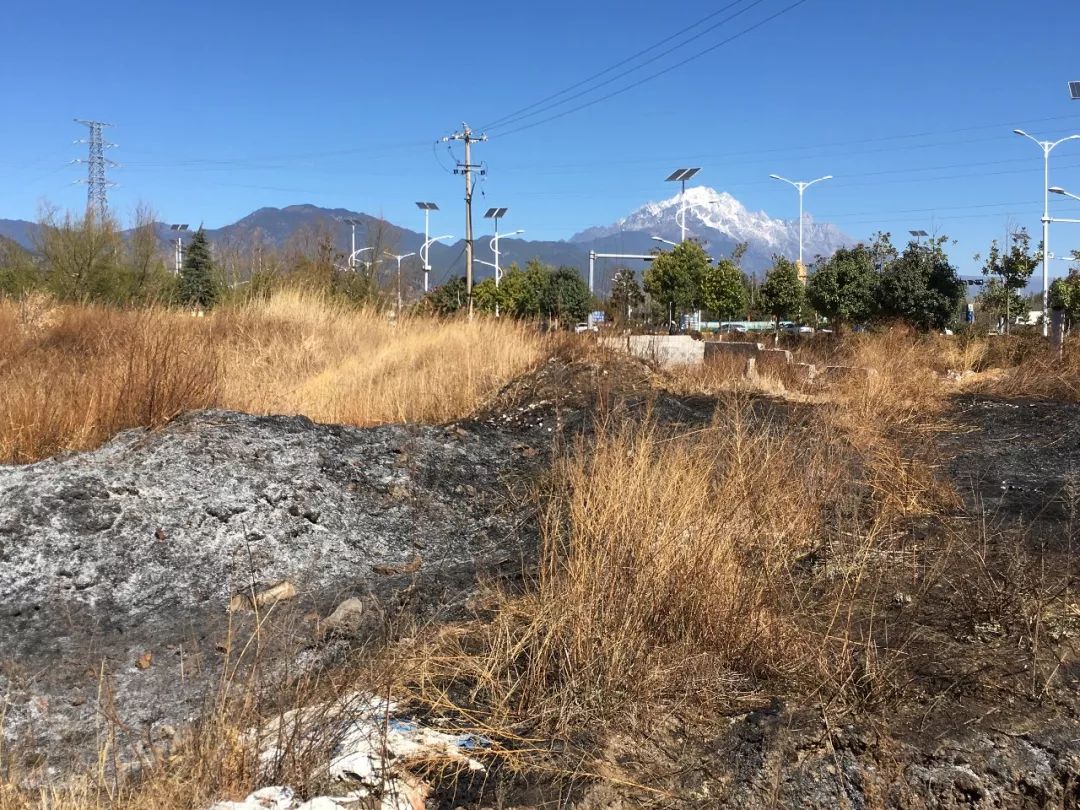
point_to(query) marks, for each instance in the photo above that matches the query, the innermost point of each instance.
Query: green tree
(566, 296)
(487, 297)
(1012, 270)
(1065, 295)
(921, 287)
(198, 286)
(782, 294)
(18, 272)
(674, 279)
(843, 287)
(723, 289)
(448, 298)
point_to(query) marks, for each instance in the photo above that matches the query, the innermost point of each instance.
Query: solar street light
(425, 249)
(681, 176)
(178, 252)
(1074, 90)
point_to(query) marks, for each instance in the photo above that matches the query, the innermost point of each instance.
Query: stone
(346, 619)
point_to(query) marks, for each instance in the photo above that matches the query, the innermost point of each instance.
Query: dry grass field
(678, 567)
(72, 376)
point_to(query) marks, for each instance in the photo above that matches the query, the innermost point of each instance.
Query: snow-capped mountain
(719, 222)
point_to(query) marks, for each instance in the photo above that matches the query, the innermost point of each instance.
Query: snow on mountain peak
(717, 216)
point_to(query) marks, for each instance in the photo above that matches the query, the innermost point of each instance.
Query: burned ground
(138, 548)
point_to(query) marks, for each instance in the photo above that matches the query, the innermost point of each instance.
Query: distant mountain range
(716, 219)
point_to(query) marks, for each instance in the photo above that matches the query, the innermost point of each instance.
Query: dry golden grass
(694, 569)
(72, 376)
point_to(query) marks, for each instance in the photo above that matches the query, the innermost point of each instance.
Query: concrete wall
(667, 350)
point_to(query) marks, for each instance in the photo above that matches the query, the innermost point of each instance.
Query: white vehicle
(585, 326)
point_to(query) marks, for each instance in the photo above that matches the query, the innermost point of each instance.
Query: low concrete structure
(666, 350)
(715, 349)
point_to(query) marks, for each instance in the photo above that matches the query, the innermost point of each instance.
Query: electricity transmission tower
(467, 168)
(96, 163)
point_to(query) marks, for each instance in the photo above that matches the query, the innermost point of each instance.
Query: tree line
(91, 259)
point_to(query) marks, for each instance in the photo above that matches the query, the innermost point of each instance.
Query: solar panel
(1074, 90)
(427, 206)
(682, 174)
(496, 213)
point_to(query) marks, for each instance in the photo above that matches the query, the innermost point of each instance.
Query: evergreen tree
(782, 294)
(843, 288)
(674, 279)
(198, 286)
(723, 289)
(921, 287)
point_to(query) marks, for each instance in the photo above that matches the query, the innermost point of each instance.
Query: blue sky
(226, 107)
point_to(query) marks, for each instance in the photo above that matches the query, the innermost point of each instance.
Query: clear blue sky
(221, 108)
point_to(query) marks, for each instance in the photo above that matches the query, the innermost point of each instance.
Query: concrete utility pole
(466, 168)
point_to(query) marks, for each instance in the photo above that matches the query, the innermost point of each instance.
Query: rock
(257, 597)
(346, 619)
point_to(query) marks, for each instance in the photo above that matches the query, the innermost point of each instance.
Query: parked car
(796, 329)
(732, 329)
(584, 326)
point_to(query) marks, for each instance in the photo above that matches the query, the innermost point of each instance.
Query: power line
(541, 106)
(659, 73)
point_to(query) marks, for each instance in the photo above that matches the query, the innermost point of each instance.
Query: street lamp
(425, 249)
(178, 253)
(352, 222)
(1047, 147)
(355, 253)
(800, 186)
(427, 208)
(681, 176)
(1063, 192)
(399, 258)
(665, 241)
(496, 214)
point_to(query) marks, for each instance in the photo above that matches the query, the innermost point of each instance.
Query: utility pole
(466, 168)
(96, 163)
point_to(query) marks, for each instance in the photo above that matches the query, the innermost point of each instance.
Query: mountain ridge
(715, 218)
